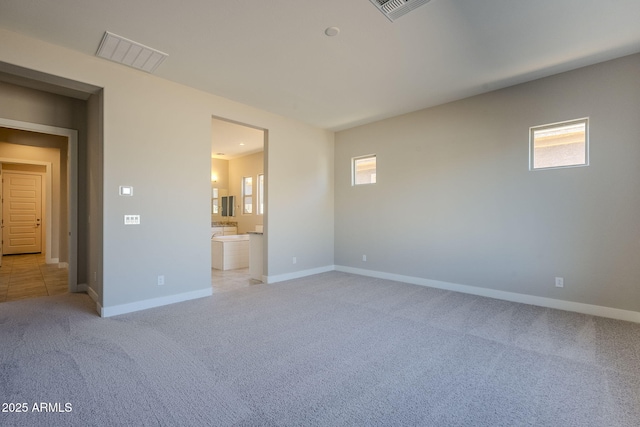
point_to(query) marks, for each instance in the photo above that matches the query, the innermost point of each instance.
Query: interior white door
(21, 213)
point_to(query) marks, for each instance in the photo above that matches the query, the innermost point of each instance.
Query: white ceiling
(274, 54)
(231, 140)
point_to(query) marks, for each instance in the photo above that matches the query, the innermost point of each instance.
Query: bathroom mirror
(228, 205)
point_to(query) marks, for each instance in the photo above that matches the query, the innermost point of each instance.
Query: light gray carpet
(328, 350)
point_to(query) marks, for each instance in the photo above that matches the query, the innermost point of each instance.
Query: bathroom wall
(230, 174)
(250, 165)
(219, 169)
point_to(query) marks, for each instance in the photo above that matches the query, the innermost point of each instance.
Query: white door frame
(72, 189)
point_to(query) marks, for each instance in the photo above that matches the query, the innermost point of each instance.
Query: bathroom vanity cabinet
(223, 231)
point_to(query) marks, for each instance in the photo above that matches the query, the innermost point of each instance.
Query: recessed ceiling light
(242, 143)
(332, 31)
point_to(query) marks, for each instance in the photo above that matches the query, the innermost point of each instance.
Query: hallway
(28, 276)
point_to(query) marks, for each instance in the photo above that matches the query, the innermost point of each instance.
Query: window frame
(245, 196)
(215, 202)
(532, 131)
(260, 195)
(353, 169)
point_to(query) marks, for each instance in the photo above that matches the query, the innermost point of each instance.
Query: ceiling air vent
(124, 51)
(394, 9)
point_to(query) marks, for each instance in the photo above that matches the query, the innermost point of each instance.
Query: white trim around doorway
(72, 190)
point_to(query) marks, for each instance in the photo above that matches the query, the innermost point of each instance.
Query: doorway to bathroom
(238, 200)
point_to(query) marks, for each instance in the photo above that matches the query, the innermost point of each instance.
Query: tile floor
(28, 276)
(228, 280)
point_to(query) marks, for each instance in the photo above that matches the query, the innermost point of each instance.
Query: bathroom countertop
(223, 224)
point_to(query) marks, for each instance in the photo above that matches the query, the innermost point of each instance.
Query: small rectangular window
(559, 145)
(247, 195)
(363, 170)
(261, 194)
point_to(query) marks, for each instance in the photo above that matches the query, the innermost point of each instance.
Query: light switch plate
(126, 190)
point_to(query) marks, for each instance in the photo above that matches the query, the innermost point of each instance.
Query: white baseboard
(297, 274)
(82, 287)
(96, 298)
(93, 294)
(63, 265)
(595, 310)
(51, 260)
(154, 302)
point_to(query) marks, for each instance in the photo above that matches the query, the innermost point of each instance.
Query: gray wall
(455, 201)
(157, 138)
(91, 168)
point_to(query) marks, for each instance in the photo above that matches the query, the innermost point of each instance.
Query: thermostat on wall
(126, 190)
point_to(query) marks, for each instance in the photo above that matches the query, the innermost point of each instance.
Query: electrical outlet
(160, 280)
(559, 282)
(295, 260)
(132, 220)
(364, 258)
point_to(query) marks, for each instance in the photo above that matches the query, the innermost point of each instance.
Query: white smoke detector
(394, 9)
